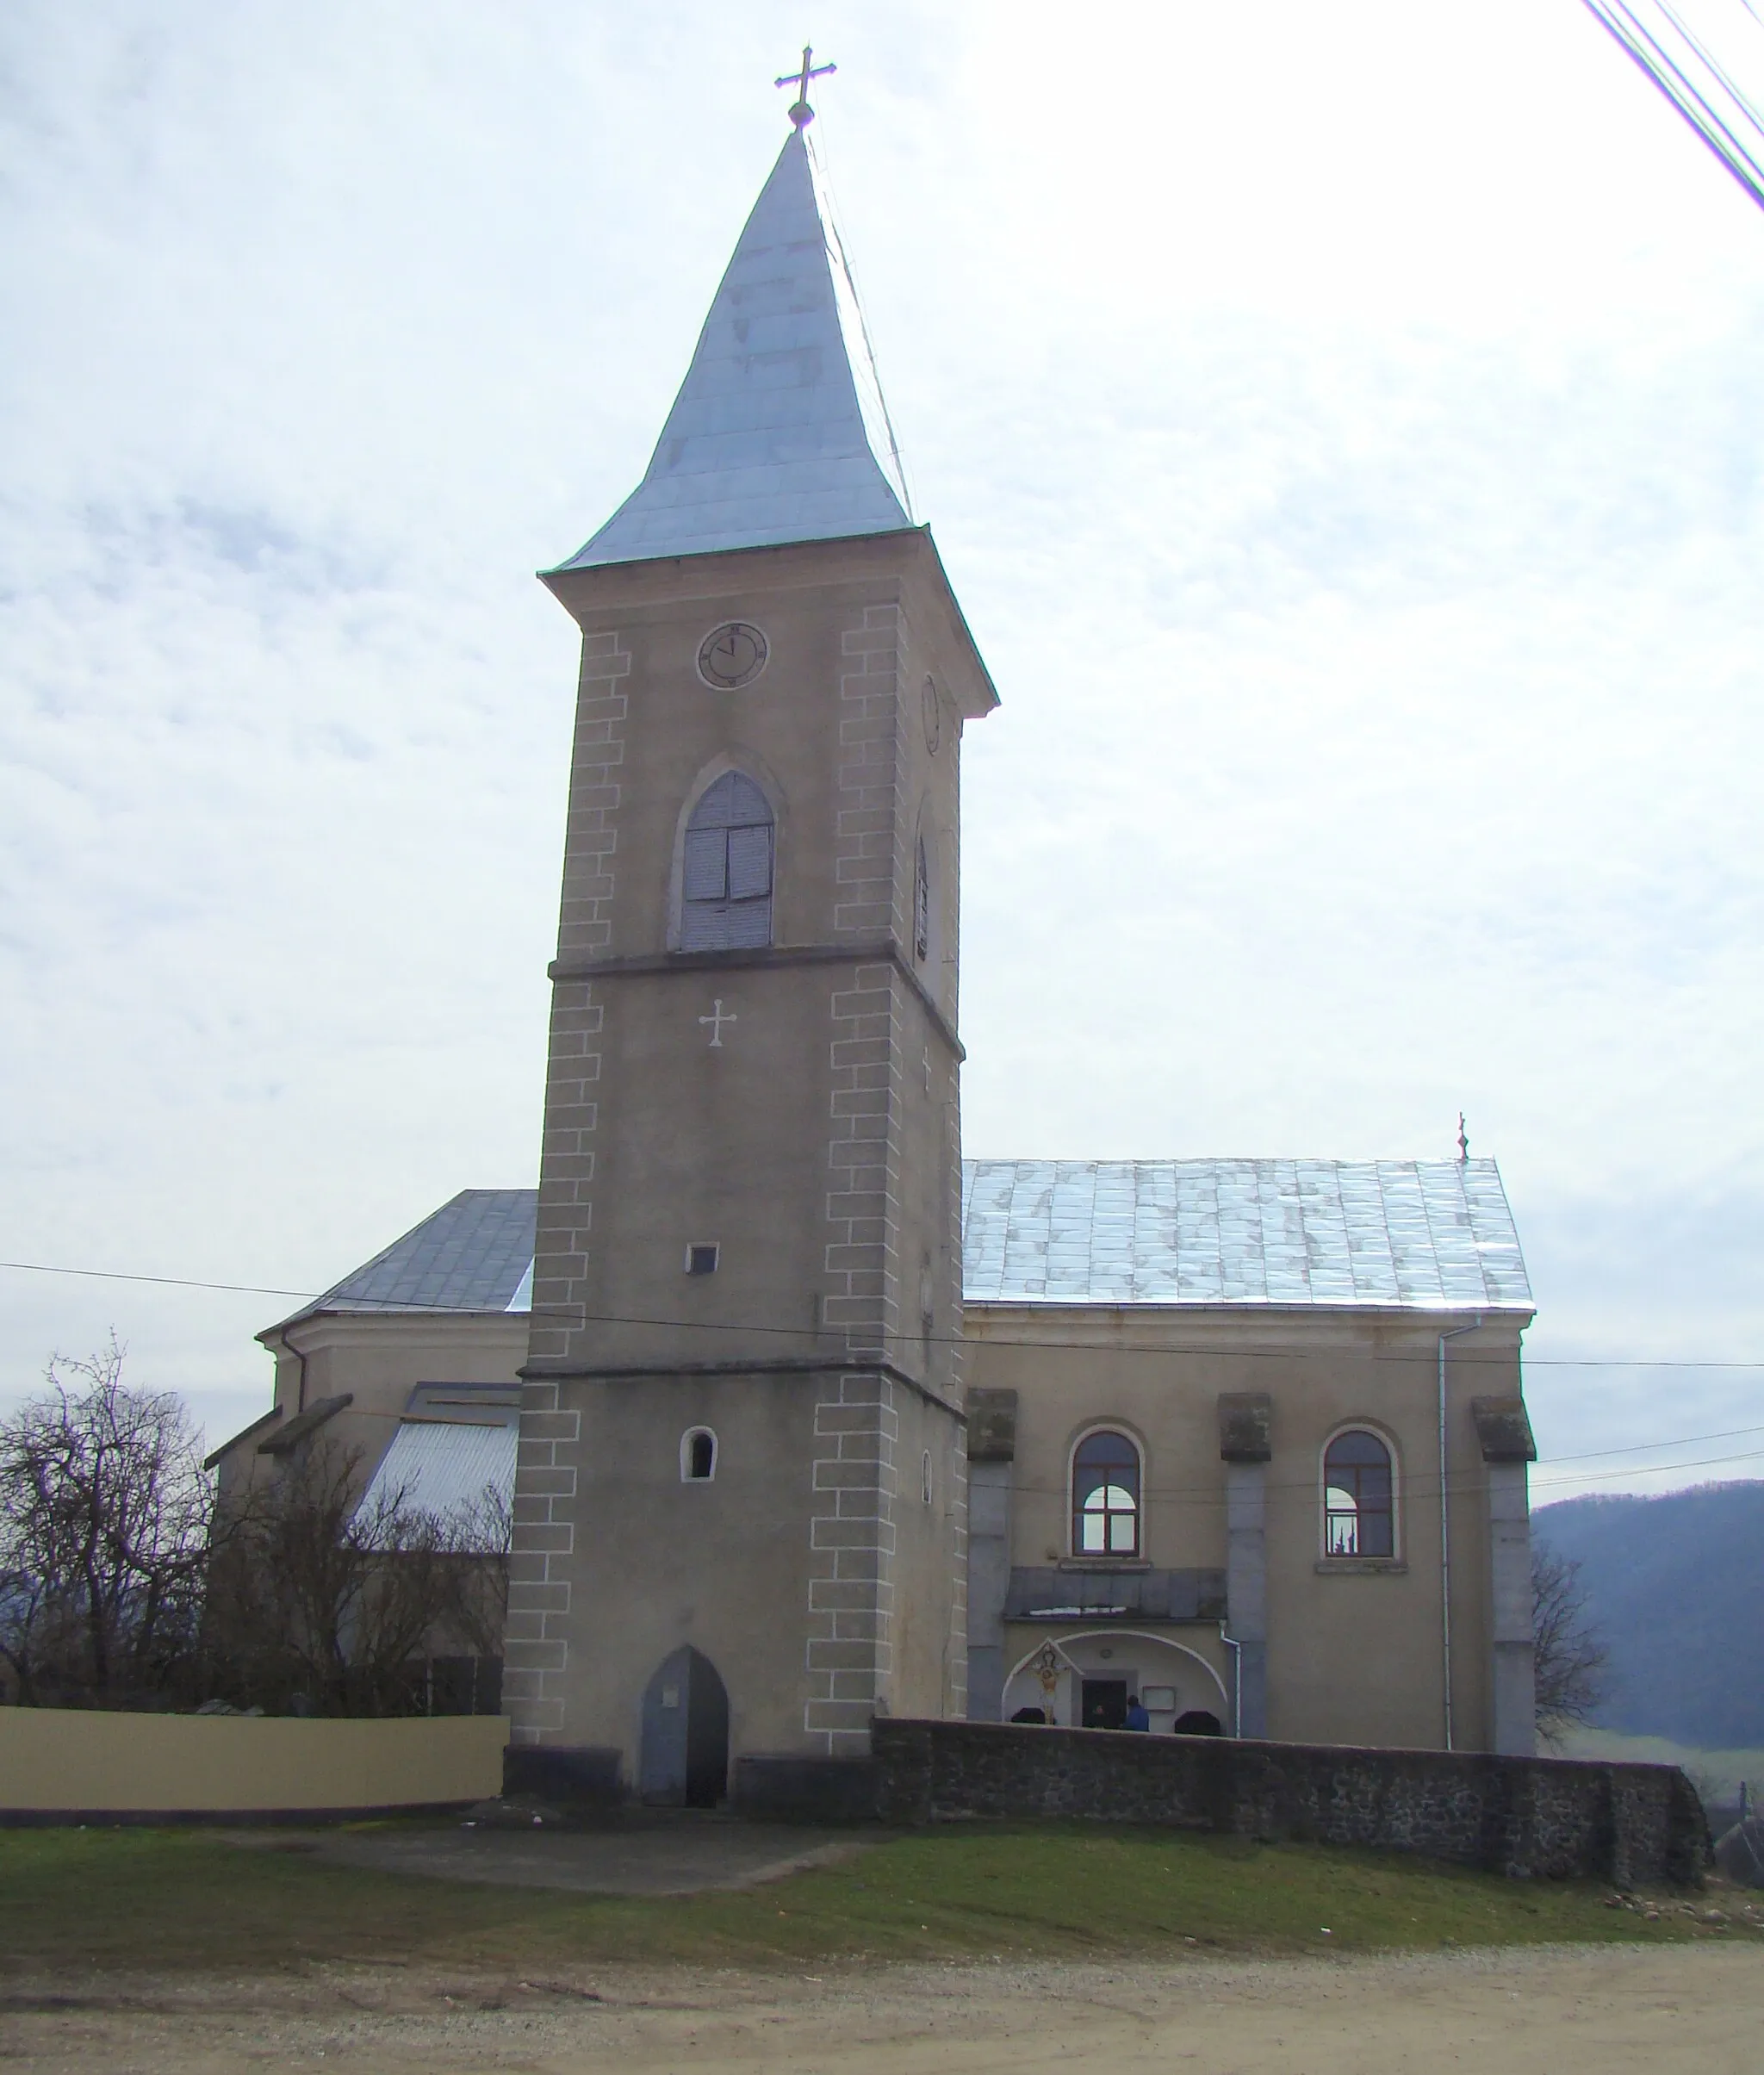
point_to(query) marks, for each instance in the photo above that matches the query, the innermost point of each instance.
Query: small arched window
(726, 875)
(698, 1456)
(1359, 1513)
(1105, 1496)
(922, 904)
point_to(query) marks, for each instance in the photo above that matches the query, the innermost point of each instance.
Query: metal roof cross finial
(1464, 1140)
(800, 113)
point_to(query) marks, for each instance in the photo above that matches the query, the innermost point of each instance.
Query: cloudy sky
(1344, 426)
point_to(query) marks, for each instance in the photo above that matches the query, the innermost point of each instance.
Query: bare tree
(104, 1513)
(1568, 1655)
(323, 1600)
(480, 1535)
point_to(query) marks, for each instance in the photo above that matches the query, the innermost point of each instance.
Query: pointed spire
(779, 432)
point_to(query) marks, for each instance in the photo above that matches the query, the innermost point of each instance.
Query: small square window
(701, 1258)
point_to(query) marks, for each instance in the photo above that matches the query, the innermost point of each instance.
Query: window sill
(1104, 1563)
(1355, 1566)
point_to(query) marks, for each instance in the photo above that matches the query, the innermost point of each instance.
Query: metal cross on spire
(800, 113)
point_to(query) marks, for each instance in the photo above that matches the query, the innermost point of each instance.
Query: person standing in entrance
(1137, 1718)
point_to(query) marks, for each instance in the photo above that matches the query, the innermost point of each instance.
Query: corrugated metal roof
(779, 432)
(445, 1467)
(1416, 1234)
(473, 1254)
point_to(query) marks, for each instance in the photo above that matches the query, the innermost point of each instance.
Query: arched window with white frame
(698, 1456)
(1359, 1495)
(1106, 1487)
(726, 871)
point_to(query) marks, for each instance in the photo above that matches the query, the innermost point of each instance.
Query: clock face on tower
(732, 655)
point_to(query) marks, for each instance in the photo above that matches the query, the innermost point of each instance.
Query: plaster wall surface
(79, 1762)
(377, 1360)
(1354, 1650)
(795, 1105)
(625, 1560)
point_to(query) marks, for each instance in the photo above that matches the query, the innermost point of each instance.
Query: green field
(182, 1899)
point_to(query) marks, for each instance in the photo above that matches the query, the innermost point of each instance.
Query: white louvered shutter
(726, 889)
(706, 876)
(922, 904)
(749, 863)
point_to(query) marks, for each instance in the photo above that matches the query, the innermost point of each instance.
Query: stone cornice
(564, 1371)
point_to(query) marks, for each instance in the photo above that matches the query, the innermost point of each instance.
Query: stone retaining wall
(1630, 1824)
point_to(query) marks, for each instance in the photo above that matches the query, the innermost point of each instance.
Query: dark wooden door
(1104, 1704)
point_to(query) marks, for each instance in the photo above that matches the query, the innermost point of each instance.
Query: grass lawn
(182, 1899)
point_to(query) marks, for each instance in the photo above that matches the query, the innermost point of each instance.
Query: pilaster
(541, 1569)
(1245, 1446)
(992, 1455)
(1503, 1431)
(852, 1544)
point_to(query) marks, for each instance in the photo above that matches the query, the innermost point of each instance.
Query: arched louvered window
(726, 888)
(922, 904)
(1359, 1510)
(1105, 1496)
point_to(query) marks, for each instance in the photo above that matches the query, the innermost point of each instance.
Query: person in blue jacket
(1137, 1718)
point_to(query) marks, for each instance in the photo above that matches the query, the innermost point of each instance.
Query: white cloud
(1343, 429)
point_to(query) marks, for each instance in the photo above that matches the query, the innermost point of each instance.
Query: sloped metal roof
(779, 432)
(1406, 1234)
(446, 1468)
(476, 1253)
(1410, 1234)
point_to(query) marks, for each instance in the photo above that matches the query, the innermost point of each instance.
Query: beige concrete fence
(78, 1763)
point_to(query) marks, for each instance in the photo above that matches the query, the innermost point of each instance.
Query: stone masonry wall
(852, 1546)
(542, 1562)
(1629, 1824)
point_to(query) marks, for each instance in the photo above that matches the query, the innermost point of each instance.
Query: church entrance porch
(684, 1756)
(1083, 1678)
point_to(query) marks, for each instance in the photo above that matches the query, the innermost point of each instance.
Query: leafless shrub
(1568, 1655)
(321, 1601)
(480, 1534)
(104, 1516)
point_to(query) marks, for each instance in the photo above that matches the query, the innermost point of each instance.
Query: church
(809, 1421)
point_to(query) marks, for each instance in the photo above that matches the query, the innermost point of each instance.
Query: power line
(1414, 1484)
(578, 1315)
(121, 1275)
(1595, 1455)
(1688, 74)
(1645, 1470)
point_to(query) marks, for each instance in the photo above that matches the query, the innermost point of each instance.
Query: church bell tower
(741, 1506)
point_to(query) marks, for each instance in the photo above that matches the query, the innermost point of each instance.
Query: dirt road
(1539, 2012)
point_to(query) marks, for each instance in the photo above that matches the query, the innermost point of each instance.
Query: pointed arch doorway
(684, 1758)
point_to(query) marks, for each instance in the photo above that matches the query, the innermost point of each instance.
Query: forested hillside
(1675, 1586)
